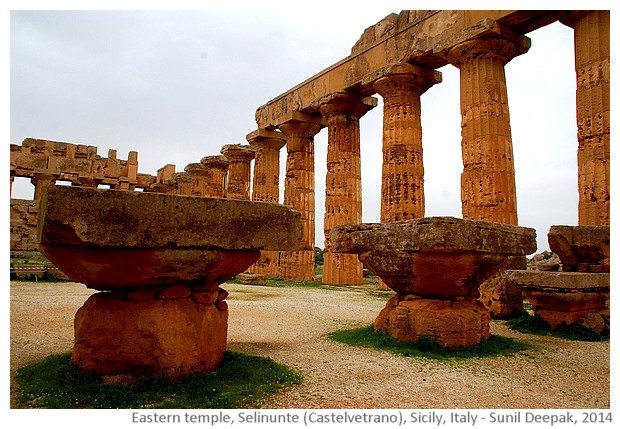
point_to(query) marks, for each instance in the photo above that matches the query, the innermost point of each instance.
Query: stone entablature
(75, 163)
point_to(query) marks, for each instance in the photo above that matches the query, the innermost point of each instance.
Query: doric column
(266, 187)
(217, 170)
(299, 191)
(343, 182)
(41, 180)
(402, 181)
(198, 173)
(184, 183)
(239, 157)
(592, 66)
(488, 189)
(266, 145)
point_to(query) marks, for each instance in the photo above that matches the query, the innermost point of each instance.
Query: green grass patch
(527, 323)
(242, 381)
(425, 347)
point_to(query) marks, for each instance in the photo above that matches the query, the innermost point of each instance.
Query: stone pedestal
(569, 298)
(572, 297)
(159, 260)
(435, 265)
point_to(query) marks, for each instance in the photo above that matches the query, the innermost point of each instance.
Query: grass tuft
(425, 347)
(242, 381)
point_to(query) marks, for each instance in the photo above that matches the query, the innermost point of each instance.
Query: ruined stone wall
(46, 161)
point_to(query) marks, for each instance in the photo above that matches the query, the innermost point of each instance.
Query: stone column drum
(435, 265)
(402, 180)
(299, 191)
(238, 183)
(592, 66)
(158, 261)
(266, 145)
(343, 182)
(217, 170)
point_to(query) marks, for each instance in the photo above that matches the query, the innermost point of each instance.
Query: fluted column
(488, 190)
(592, 66)
(266, 145)
(198, 173)
(41, 180)
(184, 183)
(266, 187)
(239, 180)
(217, 170)
(299, 192)
(343, 182)
(402, 181)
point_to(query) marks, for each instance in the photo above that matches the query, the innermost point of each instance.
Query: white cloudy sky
(177, 85)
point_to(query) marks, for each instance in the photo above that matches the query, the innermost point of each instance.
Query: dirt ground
(290, 325)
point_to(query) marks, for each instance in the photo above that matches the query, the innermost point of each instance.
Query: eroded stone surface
(436, 266)
(575, 245)
(449, 323)
(565, 297)
(103, 217)
(171, 337)
(441, 234)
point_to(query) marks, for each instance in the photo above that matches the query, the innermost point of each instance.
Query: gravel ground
(290, 325)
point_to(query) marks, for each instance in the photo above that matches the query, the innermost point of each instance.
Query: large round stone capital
(237, 152)
(218, 162)
(487, 48)
(345, 103)
(300, 129)
(399, 83)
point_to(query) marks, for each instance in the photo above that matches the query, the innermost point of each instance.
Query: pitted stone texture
(110, 268)
(171, 337)
(449, 323)
(577, 245)
(564, 297)
(435, 234)
(103, 217)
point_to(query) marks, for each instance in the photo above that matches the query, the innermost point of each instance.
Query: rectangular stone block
(104, 217)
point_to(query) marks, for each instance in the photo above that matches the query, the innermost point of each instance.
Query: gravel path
(290, 325)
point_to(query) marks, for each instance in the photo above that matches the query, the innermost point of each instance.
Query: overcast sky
(177, 85)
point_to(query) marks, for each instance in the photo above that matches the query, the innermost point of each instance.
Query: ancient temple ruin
(397, 58)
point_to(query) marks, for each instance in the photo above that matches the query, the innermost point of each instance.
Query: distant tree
(318, 256)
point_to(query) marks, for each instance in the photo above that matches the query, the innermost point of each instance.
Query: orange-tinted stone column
(266, 145)
(217, 170)
(343, 182)
(198, 173)
(239, 180)
(488, 190)
(402, 187)
(41, 180)
(266, 187)
(592, 65)
(299, 192)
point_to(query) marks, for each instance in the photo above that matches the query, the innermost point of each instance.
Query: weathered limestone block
(171, 337)
(580, 247)
(103, 217)
(163, 258)
(564, 297)
(449, 323)
(436, 266)
(252, 279)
